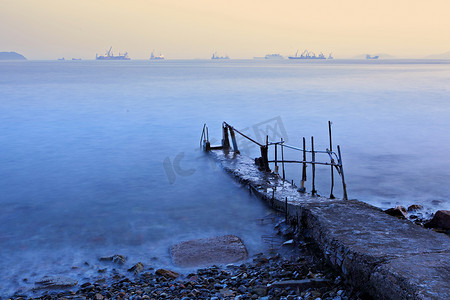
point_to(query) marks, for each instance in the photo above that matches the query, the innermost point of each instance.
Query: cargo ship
(368, 56)
(156, 57)
(110, 56)
(307, 55)
(215, 56)
(273, 56)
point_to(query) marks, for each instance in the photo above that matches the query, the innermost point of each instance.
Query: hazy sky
(48, 29)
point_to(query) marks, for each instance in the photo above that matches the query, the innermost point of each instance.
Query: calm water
(99, 158)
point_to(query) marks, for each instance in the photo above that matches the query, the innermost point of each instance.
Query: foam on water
(89, 151)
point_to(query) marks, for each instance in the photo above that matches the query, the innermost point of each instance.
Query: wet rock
(399, 212)
(167, 273)
(55, 282)
(221, 249)
(414, 207)
(117, 259)
(440, 220)
(137, 268)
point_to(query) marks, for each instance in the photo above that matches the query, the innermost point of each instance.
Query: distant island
(445, 55)
(11, 56)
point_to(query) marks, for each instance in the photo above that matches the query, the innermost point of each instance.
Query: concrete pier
(383, 256)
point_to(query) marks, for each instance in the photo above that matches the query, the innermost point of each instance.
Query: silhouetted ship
(156, 57)
(110, 56)
(307, 55)
(372, 57)
(273, 56)
(215, 56)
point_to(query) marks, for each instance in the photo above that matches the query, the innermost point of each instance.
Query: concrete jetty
(384, 256)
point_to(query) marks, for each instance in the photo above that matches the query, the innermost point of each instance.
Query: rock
(137, 268)
(167, 273)
(441, 219)
(99, 296)
(303, 284)
(222, 249)
(55, 282)
(414, 207)
(117, 258)
(399, 212)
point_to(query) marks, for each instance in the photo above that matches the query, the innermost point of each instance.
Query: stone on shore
(167, 273)
(399, 212)
(55, 282)
(216, 250)
(137, 268)
(117, 258)
(440, 220)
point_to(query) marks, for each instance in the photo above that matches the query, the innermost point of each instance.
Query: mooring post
(264, 159)
(282, 159)
(302, 186)
(225, 140)
(344, 186)
(276, 158)
(313, 160)
(331, 168)
(233, 139)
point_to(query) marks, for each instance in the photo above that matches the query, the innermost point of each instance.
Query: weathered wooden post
(225, 140)
(265, 156)
(302, 185)
(276, 159)
(344, 186)
(282, 158)
(313, 160)
(233, 139)
(332, 161)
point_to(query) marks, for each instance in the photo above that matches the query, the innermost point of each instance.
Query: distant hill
(11, 56)
(381, 56)
(445, 55)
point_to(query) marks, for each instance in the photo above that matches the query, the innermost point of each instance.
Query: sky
(184, 29)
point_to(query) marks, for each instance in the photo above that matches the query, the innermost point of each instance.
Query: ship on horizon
(368, 56)
(273, 56)
(110, 56)
(156, 57)
(215, 56)
(308, 55)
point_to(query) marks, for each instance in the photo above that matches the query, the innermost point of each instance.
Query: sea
(103, 157)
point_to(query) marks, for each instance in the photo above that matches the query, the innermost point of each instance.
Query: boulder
(55, 282)
(441, 219)
(167, 273)
(137, 268)
(117, 258)
(399, 212)
(414, 207)
(216, 250)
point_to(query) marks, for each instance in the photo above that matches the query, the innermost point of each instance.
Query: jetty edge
(381, 255)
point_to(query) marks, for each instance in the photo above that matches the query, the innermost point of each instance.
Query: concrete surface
(382, 255)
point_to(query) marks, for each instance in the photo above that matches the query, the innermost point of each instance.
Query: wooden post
(313, 159)
(276, 158)
(233, 139)
(344, 186)
(225, 140)
(331, 168)
(282, 159)
(264, 159)
(302, 185)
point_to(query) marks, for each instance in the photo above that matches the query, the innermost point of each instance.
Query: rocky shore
(289, 270)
